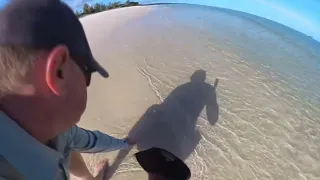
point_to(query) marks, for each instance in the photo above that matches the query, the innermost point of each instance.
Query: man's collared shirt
(23, 157)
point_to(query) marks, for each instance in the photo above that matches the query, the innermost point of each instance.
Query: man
(45, 68)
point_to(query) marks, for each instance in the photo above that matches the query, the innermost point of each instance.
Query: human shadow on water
(171, 125)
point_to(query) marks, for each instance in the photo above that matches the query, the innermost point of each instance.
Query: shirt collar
(31, 158)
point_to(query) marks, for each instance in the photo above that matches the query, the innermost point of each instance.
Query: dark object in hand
(160, 162)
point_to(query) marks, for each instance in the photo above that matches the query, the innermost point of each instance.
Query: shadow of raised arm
(212, 107)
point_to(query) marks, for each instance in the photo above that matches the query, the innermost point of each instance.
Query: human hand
(130, 141)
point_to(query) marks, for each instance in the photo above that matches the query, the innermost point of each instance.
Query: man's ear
(55, 69)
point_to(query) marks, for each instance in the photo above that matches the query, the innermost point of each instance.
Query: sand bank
(116, 103)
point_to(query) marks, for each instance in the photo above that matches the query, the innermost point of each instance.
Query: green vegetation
(98, 7)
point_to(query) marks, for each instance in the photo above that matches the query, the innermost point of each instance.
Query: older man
(45, 68)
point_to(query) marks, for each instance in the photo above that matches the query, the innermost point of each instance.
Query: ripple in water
(267, 98)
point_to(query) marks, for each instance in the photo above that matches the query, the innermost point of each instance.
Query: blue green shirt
(21, 153)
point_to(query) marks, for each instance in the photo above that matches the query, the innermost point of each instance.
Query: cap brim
(98, 68)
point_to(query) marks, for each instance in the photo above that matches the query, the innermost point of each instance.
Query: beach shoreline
(153, 54)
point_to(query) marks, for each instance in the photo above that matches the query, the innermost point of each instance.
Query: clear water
(268, 96)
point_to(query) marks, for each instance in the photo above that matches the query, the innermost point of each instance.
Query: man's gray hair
(15, 61)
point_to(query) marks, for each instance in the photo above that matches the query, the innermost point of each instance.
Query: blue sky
(301, 15)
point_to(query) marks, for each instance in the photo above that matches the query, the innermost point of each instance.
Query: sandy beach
(119, 101)
(260, 120)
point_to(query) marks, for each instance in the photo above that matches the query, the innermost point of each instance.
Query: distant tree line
(99, 7)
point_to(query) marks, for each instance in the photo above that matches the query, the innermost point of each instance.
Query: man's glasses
(87, 71)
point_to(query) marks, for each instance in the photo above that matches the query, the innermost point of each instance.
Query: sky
(301, 15)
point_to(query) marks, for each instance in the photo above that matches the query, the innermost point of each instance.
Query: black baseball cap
(161, 162)
(45, 24)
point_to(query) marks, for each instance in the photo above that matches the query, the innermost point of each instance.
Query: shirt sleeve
(94, 141)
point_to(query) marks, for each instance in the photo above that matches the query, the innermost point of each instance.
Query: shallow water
(268, 98)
